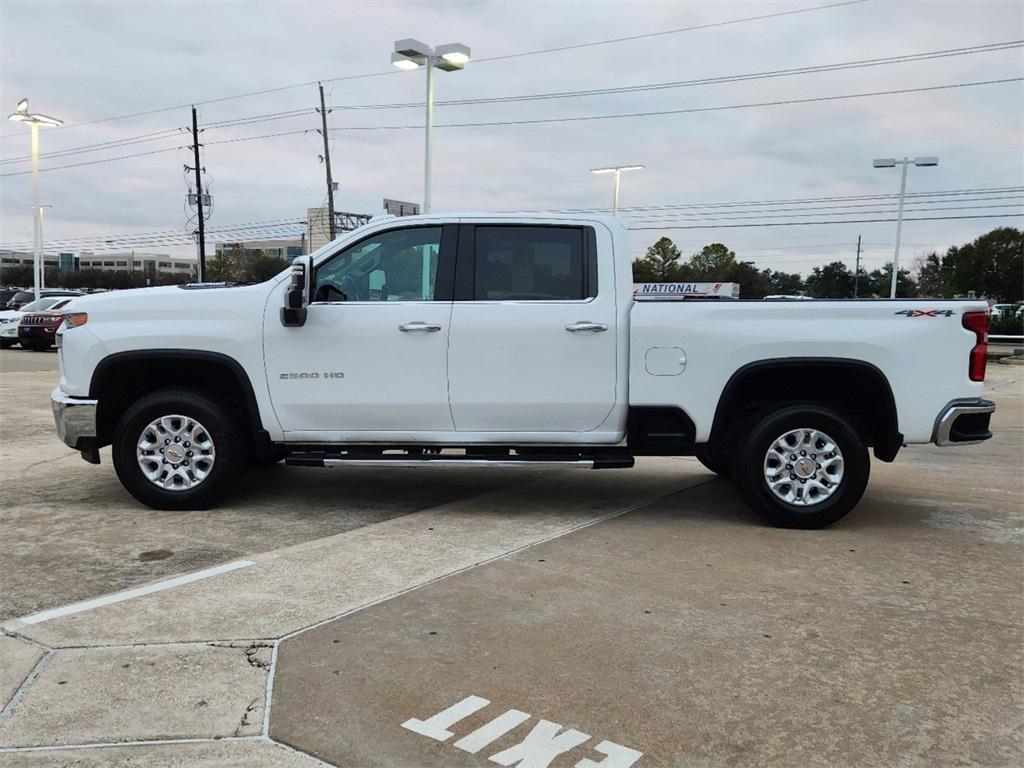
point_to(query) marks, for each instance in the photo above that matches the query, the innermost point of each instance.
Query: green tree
(832, 281)
(992, 266)
(244, 265)
(754, 284)
(879, 283)
(786, 283)
(931, 280)
(714, 262)
(659, 265)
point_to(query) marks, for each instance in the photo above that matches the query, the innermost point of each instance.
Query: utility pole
(856, 270)
(199, 197)
(327, 162)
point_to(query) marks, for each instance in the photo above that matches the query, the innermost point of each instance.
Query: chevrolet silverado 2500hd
(503, 340)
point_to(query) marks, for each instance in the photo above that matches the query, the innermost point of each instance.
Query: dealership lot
(647, 610)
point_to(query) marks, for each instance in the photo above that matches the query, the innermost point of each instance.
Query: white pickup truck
(511, 341)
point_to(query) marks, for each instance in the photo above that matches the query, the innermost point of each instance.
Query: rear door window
(515, 263)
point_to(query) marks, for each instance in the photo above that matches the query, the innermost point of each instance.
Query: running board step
(525, 461)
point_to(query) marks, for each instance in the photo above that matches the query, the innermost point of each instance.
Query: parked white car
(9, 318)
(510, 341)
(1005, 310)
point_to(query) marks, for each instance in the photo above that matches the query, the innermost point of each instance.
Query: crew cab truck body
(509, 340)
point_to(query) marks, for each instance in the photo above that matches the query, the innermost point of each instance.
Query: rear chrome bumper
(76, 420)
(964, 422)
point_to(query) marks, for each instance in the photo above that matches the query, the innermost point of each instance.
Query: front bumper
(36, 332)
(964, 422)
(76, 423)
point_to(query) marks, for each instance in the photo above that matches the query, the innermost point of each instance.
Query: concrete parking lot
(416, 617)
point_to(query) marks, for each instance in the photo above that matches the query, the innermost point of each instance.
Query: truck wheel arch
(858, 388)
(122, 376)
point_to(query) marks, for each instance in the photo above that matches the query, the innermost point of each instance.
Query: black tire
(718, 463)
(749, 468)
(269, 458)
(7, 343)
(217, 422)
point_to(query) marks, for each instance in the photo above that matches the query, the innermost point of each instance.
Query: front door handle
(584, 325)
(419, 326)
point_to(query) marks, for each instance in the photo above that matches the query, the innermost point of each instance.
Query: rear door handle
(584, 325)
(419, 326)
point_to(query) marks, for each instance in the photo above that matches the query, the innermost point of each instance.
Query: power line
(722, 79)
(100, 146)
(811, 212)
(291, 221)
(647, 36)
(762, 210)
(278, 89)
(811, 223)
(585, 118)
(289, 114)
(786, 201)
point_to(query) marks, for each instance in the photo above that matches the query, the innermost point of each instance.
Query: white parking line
(128, 594)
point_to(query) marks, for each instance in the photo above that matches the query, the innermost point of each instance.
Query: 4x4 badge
(925, 312)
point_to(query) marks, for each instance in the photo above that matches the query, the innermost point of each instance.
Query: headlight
(6, 320)
(75, 319)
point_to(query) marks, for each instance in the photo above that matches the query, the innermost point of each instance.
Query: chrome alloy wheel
(175, 452)
(803, 467)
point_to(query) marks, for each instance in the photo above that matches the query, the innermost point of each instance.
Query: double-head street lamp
(906, 162)
(617, 170)
(412, 54)
(22, 115)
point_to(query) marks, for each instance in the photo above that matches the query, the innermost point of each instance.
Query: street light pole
(617, 170)
(42, 255)
(906, 162)
(412, 54)
(427, 149)
(37, 224)
(22, 115)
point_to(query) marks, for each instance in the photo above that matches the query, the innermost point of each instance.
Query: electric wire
(718, 80)
(522, 54)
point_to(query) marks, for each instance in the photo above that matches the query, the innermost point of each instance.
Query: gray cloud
(115, 58)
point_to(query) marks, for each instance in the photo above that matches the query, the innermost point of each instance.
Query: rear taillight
(977, 322)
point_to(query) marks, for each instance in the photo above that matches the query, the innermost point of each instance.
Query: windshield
(42, 304)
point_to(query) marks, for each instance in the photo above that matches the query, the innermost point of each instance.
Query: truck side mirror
(296, 297)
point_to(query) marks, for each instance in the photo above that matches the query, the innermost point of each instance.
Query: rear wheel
(177, 449)
(803, 466)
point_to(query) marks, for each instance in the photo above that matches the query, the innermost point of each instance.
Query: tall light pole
(42, 257)
(617, 170)
(412, 54)
(906, 162)
(22, 115)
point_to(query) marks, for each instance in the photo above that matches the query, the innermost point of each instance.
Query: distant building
(282, 249)
(146, 263)
(25, 259)
(318, 231)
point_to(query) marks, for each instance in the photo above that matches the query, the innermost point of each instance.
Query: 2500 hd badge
(313, 375)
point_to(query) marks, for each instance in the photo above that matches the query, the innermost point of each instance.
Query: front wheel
(178, 449)
(803, 466)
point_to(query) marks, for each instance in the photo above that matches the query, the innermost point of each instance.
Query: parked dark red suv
(36, 330)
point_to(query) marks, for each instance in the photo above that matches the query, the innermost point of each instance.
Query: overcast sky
(88, 61)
